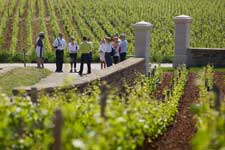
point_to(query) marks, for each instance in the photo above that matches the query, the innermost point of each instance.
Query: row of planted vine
(209, 115)
(103, 18)
(129, 118)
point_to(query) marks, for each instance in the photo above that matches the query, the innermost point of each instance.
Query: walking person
(59, 45)
(85, 48)
(39, 46)
(123, 45)
(108, 52)
(73, 48)
(102, 54)
(115, 49)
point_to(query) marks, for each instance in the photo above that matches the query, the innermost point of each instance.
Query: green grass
(21, 77)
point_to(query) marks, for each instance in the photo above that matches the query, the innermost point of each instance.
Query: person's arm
(69, 47)
(55, 43)
(77, 47)
(64, 44)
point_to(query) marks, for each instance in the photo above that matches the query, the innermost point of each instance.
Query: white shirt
(59, 44)
(102, 47)
(116, 51)
(108, 48)
(73, 48)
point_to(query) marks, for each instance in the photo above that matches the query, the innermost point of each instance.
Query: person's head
(116, 35)
(122, 36)
(60, 35)
(72, 39)
(115, 39)
(103, 41)
(85, 38)
(108, 39)
(42, 35)
(88, 39)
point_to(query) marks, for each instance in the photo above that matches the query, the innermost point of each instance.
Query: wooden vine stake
(33, 94)
(103, 99)
(58, 120)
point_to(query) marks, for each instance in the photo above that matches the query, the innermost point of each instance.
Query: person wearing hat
(84, 49)
(108, 52)
(123, 47)
(59, 45)
(73, 48)
(39, 46)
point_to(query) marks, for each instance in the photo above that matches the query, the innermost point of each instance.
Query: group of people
(111, 50)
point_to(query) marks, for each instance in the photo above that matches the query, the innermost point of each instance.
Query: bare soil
(35, 23)
(219, 80)
(165, 84)
(9, 28)
(21, 44)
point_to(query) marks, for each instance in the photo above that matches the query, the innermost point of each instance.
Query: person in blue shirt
(123, 47)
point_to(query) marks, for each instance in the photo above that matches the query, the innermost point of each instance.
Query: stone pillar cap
(182, 19)
(142, 25)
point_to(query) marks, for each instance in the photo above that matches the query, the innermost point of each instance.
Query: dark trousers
(91, 56)
(59, 60)
(85, 58)
(73, 60)
(122, 56)
(108, 59)
(116, 59)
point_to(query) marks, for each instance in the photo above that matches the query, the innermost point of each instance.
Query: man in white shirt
(59, 45)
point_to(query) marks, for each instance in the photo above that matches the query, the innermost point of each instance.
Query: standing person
(40, 50)
(85, 48)
(116, 47)
(102, 53)
(108, 51)
(89, 41)
(123, 45)
(73, 48)
(59, 45)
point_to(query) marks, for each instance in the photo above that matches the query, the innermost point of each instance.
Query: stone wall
(114, 76)
(204, 56)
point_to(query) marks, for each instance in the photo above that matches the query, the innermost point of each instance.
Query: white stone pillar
(182, 40)
(142, 42)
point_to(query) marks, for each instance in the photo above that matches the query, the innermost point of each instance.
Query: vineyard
(137, 117)
(22, 20)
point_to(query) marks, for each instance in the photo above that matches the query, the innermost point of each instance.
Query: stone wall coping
(142, 25)
(101, 74)
(182, 19)
(206, 49)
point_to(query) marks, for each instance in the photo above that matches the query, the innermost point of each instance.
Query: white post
(142, 42)
(182, 40)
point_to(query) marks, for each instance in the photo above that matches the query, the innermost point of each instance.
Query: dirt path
(47, 22)
(179, 134)
(165, 84)
(21, 43)
(35, 23)
(219, 79)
